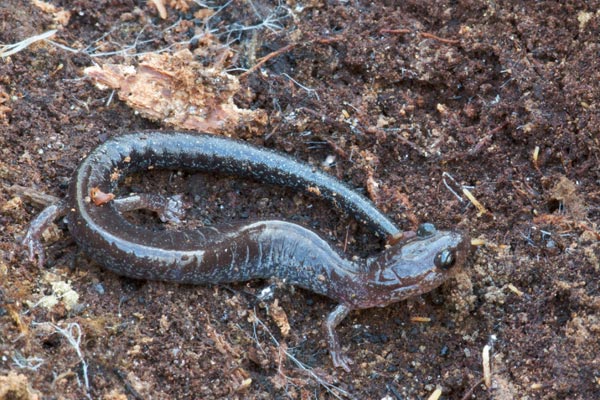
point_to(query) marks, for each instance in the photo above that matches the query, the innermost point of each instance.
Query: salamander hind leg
(337, 355)
(33, 238)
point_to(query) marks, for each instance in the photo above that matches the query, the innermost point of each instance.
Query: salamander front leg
(333, 320)
(169, 209)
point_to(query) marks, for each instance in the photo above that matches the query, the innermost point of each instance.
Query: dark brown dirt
(399, 94)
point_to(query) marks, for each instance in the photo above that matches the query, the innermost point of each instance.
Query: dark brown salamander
(242, 251)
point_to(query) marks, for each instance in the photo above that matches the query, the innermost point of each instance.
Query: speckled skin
(243, 251)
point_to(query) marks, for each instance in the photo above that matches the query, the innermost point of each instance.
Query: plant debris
(179, 91)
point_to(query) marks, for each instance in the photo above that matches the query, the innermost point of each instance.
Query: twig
(327, 40)
(395, 31)
(285, 49)
(439, 39)
(266, 58)
(486, 139)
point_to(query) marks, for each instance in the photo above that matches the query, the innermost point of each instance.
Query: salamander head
(415, 265)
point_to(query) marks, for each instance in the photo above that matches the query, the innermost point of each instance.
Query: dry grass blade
(10, 49)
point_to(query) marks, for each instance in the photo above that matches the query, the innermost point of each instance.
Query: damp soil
(401, 100)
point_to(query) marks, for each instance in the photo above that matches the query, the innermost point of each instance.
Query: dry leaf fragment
(17, 386)
(280, 317)
(566, 192)
(179, 91)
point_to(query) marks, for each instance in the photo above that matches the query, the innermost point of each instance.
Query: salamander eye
(445, 259)
(426, 229)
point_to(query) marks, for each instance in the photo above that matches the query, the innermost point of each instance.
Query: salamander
(241, 251)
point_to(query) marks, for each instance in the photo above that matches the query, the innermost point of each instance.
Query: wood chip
(177, 90)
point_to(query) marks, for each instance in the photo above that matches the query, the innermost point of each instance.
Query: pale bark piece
(178, 91)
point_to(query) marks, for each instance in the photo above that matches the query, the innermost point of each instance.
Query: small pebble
(99, 288)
